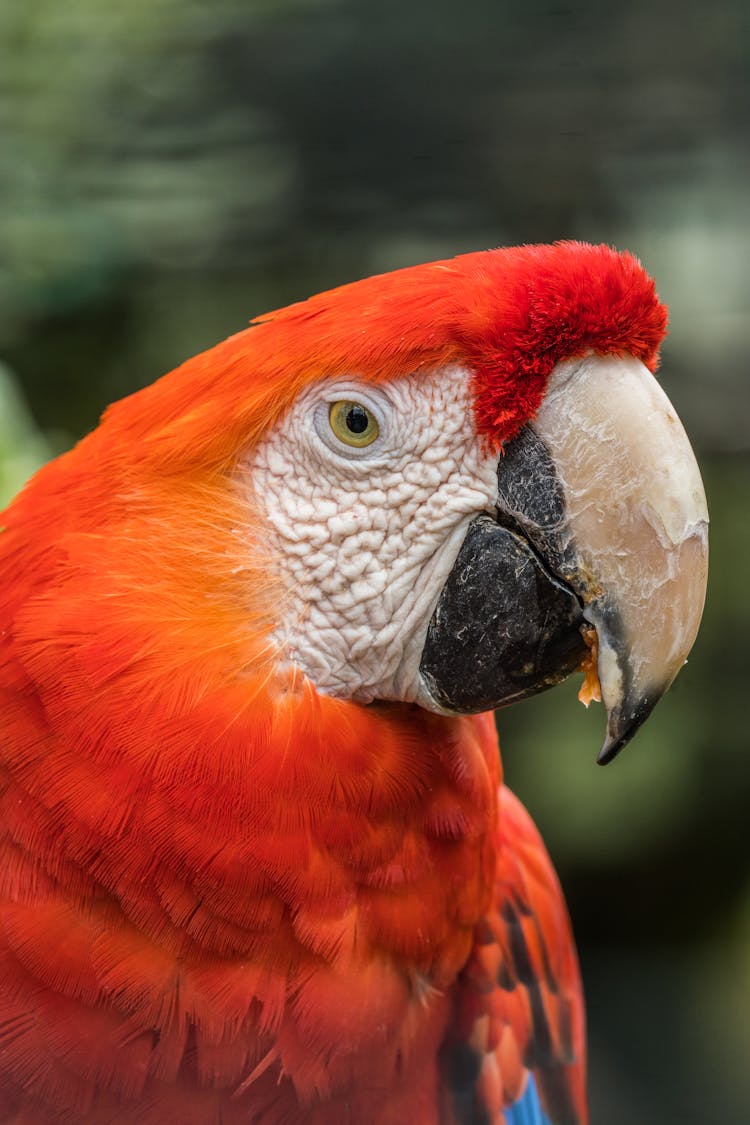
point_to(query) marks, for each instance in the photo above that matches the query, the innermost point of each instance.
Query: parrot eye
(353, 423)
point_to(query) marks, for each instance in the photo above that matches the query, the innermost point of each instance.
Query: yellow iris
(353, 423)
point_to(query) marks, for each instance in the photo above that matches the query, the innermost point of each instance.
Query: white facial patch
(366, 536)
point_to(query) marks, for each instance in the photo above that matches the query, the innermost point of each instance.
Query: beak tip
(624, 720)
(611, 747)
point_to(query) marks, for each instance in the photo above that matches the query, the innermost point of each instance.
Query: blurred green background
(170, 168)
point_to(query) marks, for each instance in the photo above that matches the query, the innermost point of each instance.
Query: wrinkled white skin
(636, 511)
(366, 538)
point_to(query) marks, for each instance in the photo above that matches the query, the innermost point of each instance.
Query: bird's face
(422, 564)
(368, 491)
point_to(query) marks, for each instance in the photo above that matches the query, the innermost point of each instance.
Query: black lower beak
(504, 627)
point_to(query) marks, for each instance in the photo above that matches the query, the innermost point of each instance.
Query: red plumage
(223, 896)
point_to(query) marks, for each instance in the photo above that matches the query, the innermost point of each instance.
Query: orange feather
(223, 896)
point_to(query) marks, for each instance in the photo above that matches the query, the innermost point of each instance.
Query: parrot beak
(601, 522)
(635, 545)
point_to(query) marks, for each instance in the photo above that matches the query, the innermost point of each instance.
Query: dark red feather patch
(554, 303)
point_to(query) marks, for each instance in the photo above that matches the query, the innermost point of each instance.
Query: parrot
(258, 865)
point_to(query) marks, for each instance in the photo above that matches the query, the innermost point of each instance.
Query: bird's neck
(283, 811)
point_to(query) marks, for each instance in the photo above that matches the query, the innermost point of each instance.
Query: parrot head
(459, 482)
(483, 488)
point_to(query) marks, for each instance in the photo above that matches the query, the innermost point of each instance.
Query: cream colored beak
(634, 540)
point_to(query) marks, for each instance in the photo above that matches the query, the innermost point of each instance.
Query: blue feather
(528, 1109)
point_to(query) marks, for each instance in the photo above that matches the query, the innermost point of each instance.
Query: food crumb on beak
(591, 690)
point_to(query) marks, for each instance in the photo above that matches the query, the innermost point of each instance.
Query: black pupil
(357, 420)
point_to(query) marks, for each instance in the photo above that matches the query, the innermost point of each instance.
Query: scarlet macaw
(257, 864)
